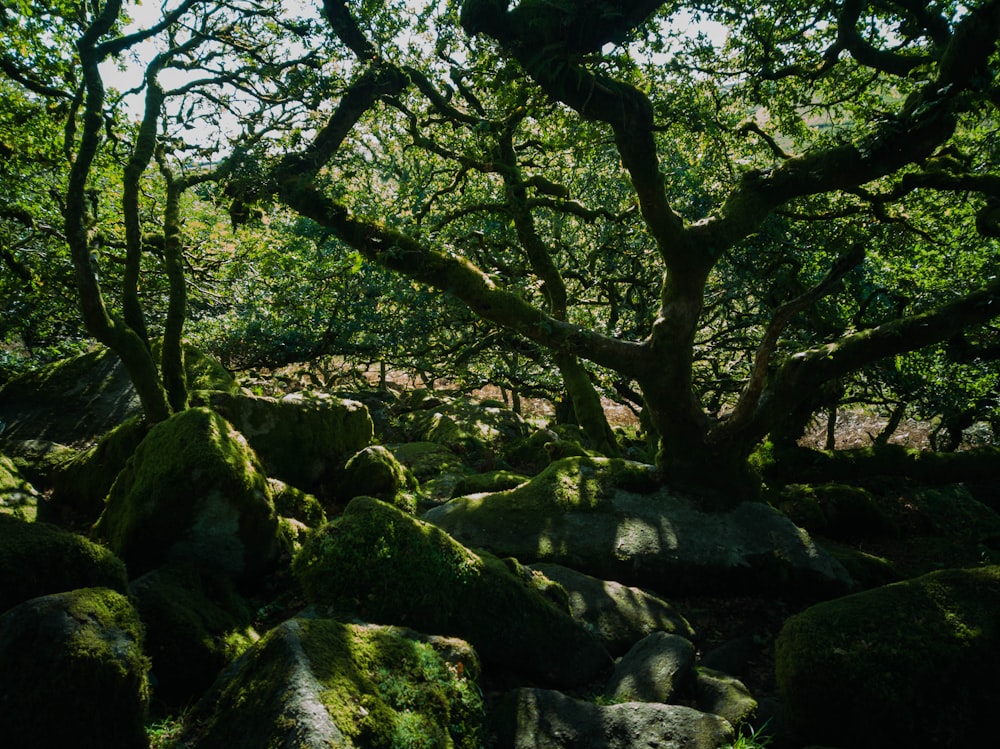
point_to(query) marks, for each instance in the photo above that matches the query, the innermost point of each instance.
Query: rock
(317, 683)
(17, 496)
(302, 438)
(913, 663)
(838, 511)
(74, 401)
(81, 487)
(37, 559)
(619, 615)
(39, 461)
(196, 624)
(544, 719)
(193, 490)
(375, 472)
(657, 669)
(492, 481)
(72, 672)
(613, 520)
(391, 568)
(724, 695)
(295, 503)
(461, 423)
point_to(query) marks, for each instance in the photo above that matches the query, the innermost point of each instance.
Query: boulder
(81, 486)
(72, 672)
(612, 519)
(291, 502)
(391, 568)
(375, 472)
(196, 624)
(913, 663)
(193, 490)
(545, 719)
(303, 438)
(37, 559)
(17, 496)
(74, 401)
(724, 695)
(317, 683)
(618, 614)
(657, 669)
(461, 423)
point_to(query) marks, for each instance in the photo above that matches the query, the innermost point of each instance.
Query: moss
(37, 559)
(494, 481)
(17, 496)
(295, 503)
(74, 673)
(896, 665)
(391, 568)
(192, 489)
(837, 511)
(196, 623)
(80, 490)
(382, 687)
(374, 471)
(301, 438)
(427, 460)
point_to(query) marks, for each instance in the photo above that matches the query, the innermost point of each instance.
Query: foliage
(731, 226)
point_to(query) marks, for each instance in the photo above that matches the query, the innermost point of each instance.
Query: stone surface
(388, 567)
(196, 623)
(620, 615)
(913, 663)
(658, 668)
(72, 672)
(613, 520)
(319, 683)
(544, 719)
(193, 490)
(303, 438)
(38, 559)
(17, 496)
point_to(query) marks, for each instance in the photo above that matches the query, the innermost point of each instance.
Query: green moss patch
(37, 559)
(912, 663)
(312, 682)
(17, 496)
(192, 490)
(74, 673)
(196, 623)
(390, 568)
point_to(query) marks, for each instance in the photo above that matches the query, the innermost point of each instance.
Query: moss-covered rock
(72, 672)
(37, 559)
(461, 423)
(375, 472)
(303, 438)
(315, 683)
(530, 718)
(837, 511)
(193, 490)
(39, 461)
(618, 614)
(491, 481)
(291, 502)
(724, 695)
(74, 401)
(81, 487)
(659, 668)
(909, 664)
(196, 623)
(17, 496)
(391, 568)
(613, 519)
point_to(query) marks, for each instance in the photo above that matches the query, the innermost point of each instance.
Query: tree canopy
(735, 214)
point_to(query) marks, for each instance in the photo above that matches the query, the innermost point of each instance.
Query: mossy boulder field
(490, 585)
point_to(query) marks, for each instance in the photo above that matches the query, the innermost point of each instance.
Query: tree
(820, 125)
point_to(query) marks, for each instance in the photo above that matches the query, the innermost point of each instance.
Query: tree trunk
(587, 405)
